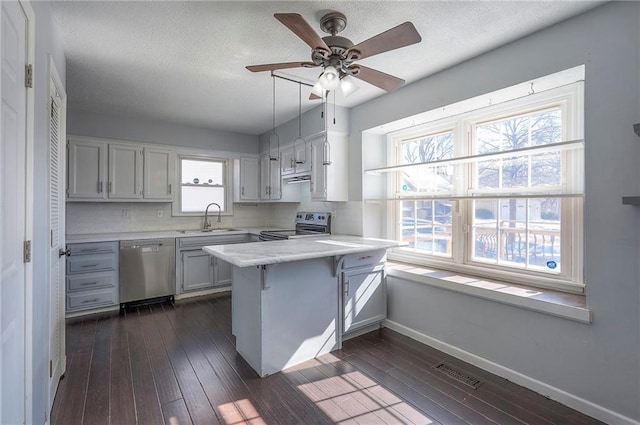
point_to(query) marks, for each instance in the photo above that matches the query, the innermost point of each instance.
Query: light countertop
(160, 234)
(272, 252)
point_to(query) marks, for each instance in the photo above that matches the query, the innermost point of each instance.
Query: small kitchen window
(202, 181)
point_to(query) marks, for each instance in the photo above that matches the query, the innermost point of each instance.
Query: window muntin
(202, 181)
(533, 224)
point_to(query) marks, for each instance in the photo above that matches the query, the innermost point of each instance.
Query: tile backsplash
(95, 217)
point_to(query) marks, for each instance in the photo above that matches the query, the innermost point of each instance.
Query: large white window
(202, 181)
(496, 192)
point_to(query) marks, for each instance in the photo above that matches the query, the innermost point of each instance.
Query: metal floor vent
(458, 376)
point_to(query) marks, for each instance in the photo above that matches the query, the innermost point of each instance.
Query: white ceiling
(183, 61)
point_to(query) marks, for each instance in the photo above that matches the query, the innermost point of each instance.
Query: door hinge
(50, 368)
(28, 76)
(26, 252)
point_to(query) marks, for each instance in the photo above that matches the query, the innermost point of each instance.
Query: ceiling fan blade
(400, 36)
(377, 78)
(282, 65)
(314, 96)
(302, 29)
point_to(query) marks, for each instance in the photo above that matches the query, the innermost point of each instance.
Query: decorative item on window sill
(274, 136)
(299, 138)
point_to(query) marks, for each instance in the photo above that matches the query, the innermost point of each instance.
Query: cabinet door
(364, 298)
(197, 270)
(87, 169)
(223, 272)
(275, 179)
(302, 157)
(125, 171)
(318, 172)
(288, 161)
(265, 176)
(249, 179)
(158, 174)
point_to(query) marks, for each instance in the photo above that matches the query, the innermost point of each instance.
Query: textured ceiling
(183, 62)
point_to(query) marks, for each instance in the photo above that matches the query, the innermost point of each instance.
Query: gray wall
(48, 42)
(599, 362)
(87, 123)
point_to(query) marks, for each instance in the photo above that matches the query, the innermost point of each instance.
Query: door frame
(29, 212)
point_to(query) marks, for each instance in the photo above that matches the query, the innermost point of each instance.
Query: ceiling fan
(337, 55)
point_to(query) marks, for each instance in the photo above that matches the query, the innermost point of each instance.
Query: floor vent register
(458, 375)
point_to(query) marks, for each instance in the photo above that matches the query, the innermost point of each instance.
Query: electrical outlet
(159, 213)
(125, 213)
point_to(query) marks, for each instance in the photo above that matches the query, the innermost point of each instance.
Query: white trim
(578, 314)
(561, 396)
(29, 212)
(186, 295)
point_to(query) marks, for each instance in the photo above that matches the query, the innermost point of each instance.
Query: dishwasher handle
(147, 245)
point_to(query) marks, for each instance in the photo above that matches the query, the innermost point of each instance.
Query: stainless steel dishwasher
(147, 270)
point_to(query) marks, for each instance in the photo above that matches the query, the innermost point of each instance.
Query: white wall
(600, 362)
(86, 123)
(48, 41)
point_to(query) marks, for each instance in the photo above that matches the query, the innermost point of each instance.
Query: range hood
(300, 178)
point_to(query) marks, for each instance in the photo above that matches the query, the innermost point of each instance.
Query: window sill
(555, 303)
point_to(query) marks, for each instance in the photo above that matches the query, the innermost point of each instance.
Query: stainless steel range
(307, 224)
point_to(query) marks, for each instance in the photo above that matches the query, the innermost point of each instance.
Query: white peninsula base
(284, 314)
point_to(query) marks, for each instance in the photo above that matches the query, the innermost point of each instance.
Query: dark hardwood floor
(177, 365)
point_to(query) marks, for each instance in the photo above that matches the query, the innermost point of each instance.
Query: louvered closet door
(57, 242)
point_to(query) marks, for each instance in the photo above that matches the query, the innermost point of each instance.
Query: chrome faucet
(206, 224)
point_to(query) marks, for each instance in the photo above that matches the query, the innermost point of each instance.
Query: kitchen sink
(201, 231)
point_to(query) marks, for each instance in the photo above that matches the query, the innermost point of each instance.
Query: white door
(13, 163)
(57, 113)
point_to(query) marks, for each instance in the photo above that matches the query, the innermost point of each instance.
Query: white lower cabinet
(197, 270)
(92, 276)
(364, 290)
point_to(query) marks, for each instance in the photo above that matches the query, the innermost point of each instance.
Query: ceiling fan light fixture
(317, 89)
(348, 86)
(330, 79)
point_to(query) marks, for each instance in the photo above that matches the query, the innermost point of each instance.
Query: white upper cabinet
(329, 182)
(87, 169)
(158, 174)
(246, 172)
(288, 161)
(125, 171)
(270, 179)
(105, 170)
(302, 157)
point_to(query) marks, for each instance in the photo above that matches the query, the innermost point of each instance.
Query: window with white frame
(496, 192)
(202, 181)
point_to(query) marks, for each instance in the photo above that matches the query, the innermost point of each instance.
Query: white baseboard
(186, 295)
(573, 401)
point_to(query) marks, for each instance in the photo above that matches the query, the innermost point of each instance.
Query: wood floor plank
(482, 400)
(177, 364)
(194, 396)
(216, 393)
(73, 402)
(163, 375)
(148, 409)
(99, 385)
(176, 413)
(546, 408)
(122, 403)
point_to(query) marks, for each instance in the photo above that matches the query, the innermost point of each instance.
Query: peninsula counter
(293, 300)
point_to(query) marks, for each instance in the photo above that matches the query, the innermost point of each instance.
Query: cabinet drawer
(92, 299)
(93, 248)
(88, 281)
(200, 241)
(92, 263)
(364, 259)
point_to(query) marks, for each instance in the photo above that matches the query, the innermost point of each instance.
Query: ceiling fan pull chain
(334, 107)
